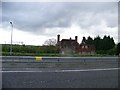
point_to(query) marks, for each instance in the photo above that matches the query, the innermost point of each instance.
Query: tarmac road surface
(88, 78)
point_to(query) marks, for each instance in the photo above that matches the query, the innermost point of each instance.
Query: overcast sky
(35, 22)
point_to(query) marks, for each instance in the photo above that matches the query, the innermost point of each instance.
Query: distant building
(69, 46)
(86, 49)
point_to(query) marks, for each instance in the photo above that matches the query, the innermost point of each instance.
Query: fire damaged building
(69, 46)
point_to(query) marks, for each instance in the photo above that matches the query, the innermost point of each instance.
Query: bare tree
(50, 42)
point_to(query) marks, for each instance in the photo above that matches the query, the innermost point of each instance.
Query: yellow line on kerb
(38, 58)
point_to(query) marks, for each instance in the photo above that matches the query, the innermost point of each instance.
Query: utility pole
(11, 38)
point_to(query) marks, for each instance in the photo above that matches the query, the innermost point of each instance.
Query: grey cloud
(36, 17)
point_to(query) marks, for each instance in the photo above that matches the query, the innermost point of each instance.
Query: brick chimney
(58, 38)
(76, 37)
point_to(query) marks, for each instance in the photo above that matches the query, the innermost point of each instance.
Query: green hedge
(50, 54)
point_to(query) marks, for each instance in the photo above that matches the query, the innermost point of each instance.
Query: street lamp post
(11, 37)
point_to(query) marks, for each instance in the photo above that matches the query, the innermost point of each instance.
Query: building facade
(70, 46)
(86, 49)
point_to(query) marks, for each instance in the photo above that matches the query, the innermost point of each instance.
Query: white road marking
(82, 70)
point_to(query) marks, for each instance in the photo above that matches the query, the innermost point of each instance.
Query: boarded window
(82, 46)
(86, 46)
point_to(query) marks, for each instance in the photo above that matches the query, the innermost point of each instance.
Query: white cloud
(75, 30)
(102, 29)
(20, 36)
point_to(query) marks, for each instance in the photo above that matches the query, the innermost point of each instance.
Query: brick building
(86, 49)
(69, 46)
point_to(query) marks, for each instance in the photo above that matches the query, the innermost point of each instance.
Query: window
(86, 46)
(82, 46)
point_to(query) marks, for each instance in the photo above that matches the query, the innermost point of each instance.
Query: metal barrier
(31, 59)
(16, 62)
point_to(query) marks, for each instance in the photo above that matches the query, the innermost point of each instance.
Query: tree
(98, 43)
(108, 43)
(50, 42)
(89, 40)
(112, 42)
(118, 48)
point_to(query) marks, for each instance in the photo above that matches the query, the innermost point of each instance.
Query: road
(66, 72)
(91, 78)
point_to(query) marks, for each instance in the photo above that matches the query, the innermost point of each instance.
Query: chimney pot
(58, 38)
(76, 37)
